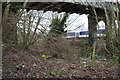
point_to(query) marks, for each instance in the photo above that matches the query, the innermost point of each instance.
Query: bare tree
(9, 29)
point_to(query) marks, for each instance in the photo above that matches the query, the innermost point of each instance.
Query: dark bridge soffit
(65, 7)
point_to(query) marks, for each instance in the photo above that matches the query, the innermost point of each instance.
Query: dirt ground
(19, 63)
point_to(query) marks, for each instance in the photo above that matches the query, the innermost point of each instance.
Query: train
(98, 33)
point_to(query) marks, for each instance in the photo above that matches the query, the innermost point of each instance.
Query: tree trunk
(7, 25)
(109, 36)
(92, 29)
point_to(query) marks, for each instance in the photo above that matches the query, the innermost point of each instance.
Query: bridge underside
(65, 7)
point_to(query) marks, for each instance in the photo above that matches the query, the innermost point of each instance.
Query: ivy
(15, 6)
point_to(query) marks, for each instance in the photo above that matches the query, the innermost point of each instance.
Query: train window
(71, 34)
(84, 33)
(101, 31)
(77, 34)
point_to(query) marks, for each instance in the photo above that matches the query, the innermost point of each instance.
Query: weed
(19, 66)
(85, 66)
(115, 58)
(33, 56)
(85, 71)
(100, 57)
(57, 73)
(44, 56)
